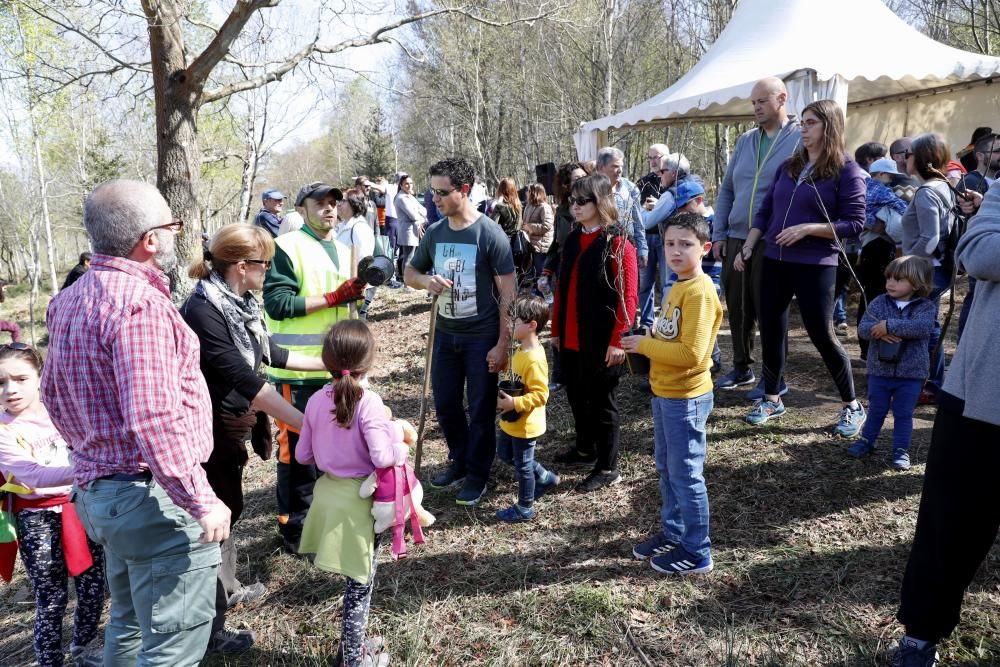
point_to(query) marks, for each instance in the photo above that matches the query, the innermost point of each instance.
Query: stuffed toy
(397, 496)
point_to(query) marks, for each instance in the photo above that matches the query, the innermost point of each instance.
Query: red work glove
(350, 290)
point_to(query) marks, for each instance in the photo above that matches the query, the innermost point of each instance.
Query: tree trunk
(178, 166)
(46, 219)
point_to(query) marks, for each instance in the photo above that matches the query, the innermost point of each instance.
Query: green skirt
(339, 528)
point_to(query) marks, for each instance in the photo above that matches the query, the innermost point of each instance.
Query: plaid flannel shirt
(123, 384)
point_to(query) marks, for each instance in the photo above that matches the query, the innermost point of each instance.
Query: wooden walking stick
(428, 358)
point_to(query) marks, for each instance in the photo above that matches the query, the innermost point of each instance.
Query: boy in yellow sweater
(680, 351)
(522, 418)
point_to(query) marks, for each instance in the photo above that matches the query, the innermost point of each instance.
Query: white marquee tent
(892, 79)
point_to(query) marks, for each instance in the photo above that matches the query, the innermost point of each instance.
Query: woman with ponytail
(225, 315)
(347, 434)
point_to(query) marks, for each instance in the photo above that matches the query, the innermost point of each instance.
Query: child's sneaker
(908, 655)
(541, 488)
(901, 459)
(850, 422)
(516, 514)
(471, 493)
(654, 546)
(679, 562)
(861, 448)
(764, 410)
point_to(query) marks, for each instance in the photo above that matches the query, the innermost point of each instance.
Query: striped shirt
(123, 385)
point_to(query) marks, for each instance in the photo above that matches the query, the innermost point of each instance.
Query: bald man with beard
(758, 154)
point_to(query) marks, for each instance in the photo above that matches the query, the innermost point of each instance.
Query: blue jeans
(899, 395)
(520, 453)
(459, 372)
(680, 460)
(839, 309)
(656, 270)
(942, 279)
(162, 580)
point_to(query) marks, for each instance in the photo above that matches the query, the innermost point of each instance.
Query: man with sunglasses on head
(307, 290)
(465, 261)
(751, 170)
(123, 385)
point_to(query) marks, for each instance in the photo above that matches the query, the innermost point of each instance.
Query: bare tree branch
(228, 33)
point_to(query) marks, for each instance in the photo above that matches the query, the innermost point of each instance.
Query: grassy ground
(809, 549)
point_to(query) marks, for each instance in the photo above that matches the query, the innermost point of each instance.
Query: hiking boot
(908, 655)
(551, 482)
(850, 422)
(90, 654)
(453, 474)
(598, 479)
(764, 410)
(901, 459)
(735, 378)
(228, 640)
(654, 546)
(573, 456)
(247, 594)
(861, 448)
(516, 514)
(471, 493)
(679, 562)
(757, 393)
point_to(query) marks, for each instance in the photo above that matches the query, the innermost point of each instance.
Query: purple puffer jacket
(787, 204)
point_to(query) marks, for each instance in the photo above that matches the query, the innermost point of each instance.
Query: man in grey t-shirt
(473, 278)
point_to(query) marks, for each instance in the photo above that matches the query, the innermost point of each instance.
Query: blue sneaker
(764, 410)
(735, 378)
(453, 474)
(901, 459)
(861, 448)
(908, 655)
(654, 546)
(516, 514)
(471, 493)
(679, 562)
(541, 488)
(850, 422)
(757, 393)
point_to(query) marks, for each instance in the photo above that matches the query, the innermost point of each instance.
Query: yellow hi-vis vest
(316, 274)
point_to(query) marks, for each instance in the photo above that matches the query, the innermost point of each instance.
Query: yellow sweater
(532, 369)
(680, 344)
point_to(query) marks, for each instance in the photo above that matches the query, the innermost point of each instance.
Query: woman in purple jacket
(816, 201)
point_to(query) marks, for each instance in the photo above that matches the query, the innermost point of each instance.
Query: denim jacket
(913, 324)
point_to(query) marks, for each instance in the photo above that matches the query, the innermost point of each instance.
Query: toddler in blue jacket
(898, 324)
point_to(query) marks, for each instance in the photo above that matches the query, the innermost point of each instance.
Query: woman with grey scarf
(235, 344)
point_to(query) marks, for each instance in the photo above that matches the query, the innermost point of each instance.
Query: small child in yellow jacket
(522, 418)
(680, 351)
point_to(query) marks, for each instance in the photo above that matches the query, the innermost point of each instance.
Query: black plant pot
(511, 388)
(638, 364)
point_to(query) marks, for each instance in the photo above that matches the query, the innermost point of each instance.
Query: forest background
(216, 101)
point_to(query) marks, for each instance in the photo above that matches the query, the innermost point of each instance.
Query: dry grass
(809, 548)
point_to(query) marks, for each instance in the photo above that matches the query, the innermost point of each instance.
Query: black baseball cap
(317, 190)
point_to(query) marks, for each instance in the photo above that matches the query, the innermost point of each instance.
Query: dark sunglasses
(442, 193)
(266, 263)
(907, 154)
(582, 201)
(16, 346)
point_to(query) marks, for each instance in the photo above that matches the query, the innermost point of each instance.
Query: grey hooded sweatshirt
(972, 375)
(745, 185)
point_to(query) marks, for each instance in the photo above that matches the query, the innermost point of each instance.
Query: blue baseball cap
(687, 190)
(884, 165)
(273, 194)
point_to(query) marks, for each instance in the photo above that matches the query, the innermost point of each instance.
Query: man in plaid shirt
(123, 386)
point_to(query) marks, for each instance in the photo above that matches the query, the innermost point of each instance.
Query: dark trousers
(224, 471)
(392, 231)
(39, 534)
(872, 261)
(813, 286)
(459, 371)
(294, 484)
(520, 454)
(590, 390)
(405, 253)
(957, 522)
(742, 294)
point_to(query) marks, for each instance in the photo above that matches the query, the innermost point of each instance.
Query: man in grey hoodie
(755, 161)
(959, 508)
